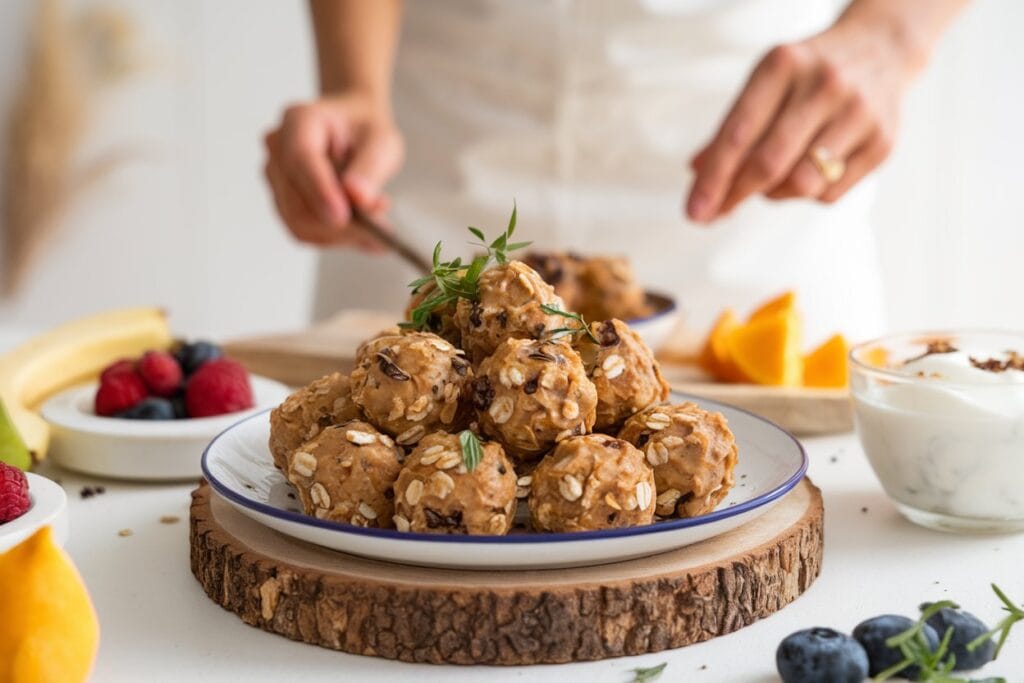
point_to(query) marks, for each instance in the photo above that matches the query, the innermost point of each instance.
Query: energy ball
(693, 454)
(508, 306)
(440, 321)
(592, 482)
(346, 474)
(436, 494)
(325, 402)
(610, 290)
(531, 394)
(411, 384)
(624, 371)
(561, 270)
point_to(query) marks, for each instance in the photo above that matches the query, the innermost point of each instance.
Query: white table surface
(158, 625)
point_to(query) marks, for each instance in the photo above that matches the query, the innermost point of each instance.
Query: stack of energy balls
(493, 393)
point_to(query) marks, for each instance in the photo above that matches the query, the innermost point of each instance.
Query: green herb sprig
(456, 280)
(641, 675)
(472, 449)
(1015, 614)
(560, 332)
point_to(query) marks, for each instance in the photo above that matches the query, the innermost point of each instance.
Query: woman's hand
(328, 157)
(813, 119)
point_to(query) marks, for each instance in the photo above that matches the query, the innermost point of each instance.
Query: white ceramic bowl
(656, 328)
(49, 508)
(238, 466)
(149, 450)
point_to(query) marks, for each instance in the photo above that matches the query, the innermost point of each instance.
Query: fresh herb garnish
(648, 674)
(472, 449)
(1003, 627)
(560, 332)
(456, 280)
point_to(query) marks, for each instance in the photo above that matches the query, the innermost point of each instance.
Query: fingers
(745, 123)
(376, 158)
(840, 136)
(862, 162)
(810, 105)
(306, 140)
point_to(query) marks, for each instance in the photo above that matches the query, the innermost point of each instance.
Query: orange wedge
(767, 350)
(826, 366)
(784, 303)
(715, 357)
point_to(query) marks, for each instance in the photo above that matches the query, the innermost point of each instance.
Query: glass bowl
(943, 426)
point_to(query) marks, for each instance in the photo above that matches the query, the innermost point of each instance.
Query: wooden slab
(300, 357)
(347, 603)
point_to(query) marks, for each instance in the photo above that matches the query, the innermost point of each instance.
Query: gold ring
(830, 168)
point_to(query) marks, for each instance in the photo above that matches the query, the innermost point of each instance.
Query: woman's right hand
(326, 157)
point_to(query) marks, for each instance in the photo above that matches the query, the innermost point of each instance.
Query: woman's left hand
(813, 119)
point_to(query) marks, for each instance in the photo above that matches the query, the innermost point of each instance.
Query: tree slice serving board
(300, 357)
(414, 614)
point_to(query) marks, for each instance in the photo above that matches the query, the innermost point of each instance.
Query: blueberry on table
(192, 355)
(151, 408)
(966, 627)
(873, 633)
(821, 655)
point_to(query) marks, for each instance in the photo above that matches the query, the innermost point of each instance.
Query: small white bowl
(49, 508)
(148, 450)
(656, 328)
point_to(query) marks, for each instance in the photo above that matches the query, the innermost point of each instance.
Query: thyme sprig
(456, 280)
(472, 449)
(641, 675)
(560, 332)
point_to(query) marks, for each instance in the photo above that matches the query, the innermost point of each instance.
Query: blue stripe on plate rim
(602, 534)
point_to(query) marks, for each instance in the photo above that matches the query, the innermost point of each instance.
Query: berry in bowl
(27, 503)
(941, 418)
(150, 417)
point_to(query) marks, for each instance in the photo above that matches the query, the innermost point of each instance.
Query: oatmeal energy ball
(508, 306)
(530, 394)
(346, 474)
(435, 493)
(440, 321)
(624, 371)
(411, 384)
(561, 270)
(610, 290)
(592, 482)
(324, 402)
(693, 453)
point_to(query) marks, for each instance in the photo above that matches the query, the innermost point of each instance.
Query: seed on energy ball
(412, 383)
(556, 399)
(344, 479)
(322, 403)
(437, 493)
(591, 482)
(693, 454)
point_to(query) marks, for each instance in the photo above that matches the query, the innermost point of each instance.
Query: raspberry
(14, 500)
(161, 372)
(119, 392)
(117, 367)
(219, 386)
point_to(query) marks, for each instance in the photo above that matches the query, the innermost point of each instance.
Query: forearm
(356, 41)
(914, 26)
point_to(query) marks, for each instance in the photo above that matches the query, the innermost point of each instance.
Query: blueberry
(872, 634)
(966, 627)
(151, 408)
(821, 655)
(191, 356)
(178, 402)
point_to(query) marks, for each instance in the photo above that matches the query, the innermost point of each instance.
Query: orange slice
(715, 357)
(784, 303)
(767, 350)
(826, 366)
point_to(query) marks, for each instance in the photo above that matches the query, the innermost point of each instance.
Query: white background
(188, 224)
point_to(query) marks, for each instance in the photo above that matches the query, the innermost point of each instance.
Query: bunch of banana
(65, 356)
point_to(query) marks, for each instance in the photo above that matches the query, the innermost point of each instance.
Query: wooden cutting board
(297, 358)
(703, 591)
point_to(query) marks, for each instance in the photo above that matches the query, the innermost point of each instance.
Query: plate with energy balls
(495, 429)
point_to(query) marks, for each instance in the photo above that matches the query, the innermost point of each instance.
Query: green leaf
(649, 674)
(477, 233)
(472, 450)
(512, 220)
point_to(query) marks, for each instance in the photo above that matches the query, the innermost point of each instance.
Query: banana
(70, 354)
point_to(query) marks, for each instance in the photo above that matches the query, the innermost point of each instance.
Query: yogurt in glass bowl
(941, 418)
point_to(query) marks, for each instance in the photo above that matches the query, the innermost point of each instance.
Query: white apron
(585, 112)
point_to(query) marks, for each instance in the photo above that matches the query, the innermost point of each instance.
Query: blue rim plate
(238, 465)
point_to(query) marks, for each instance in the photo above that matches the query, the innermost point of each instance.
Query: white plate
(49, 508)
(150, 450)
(655, 329)
(239, 468)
